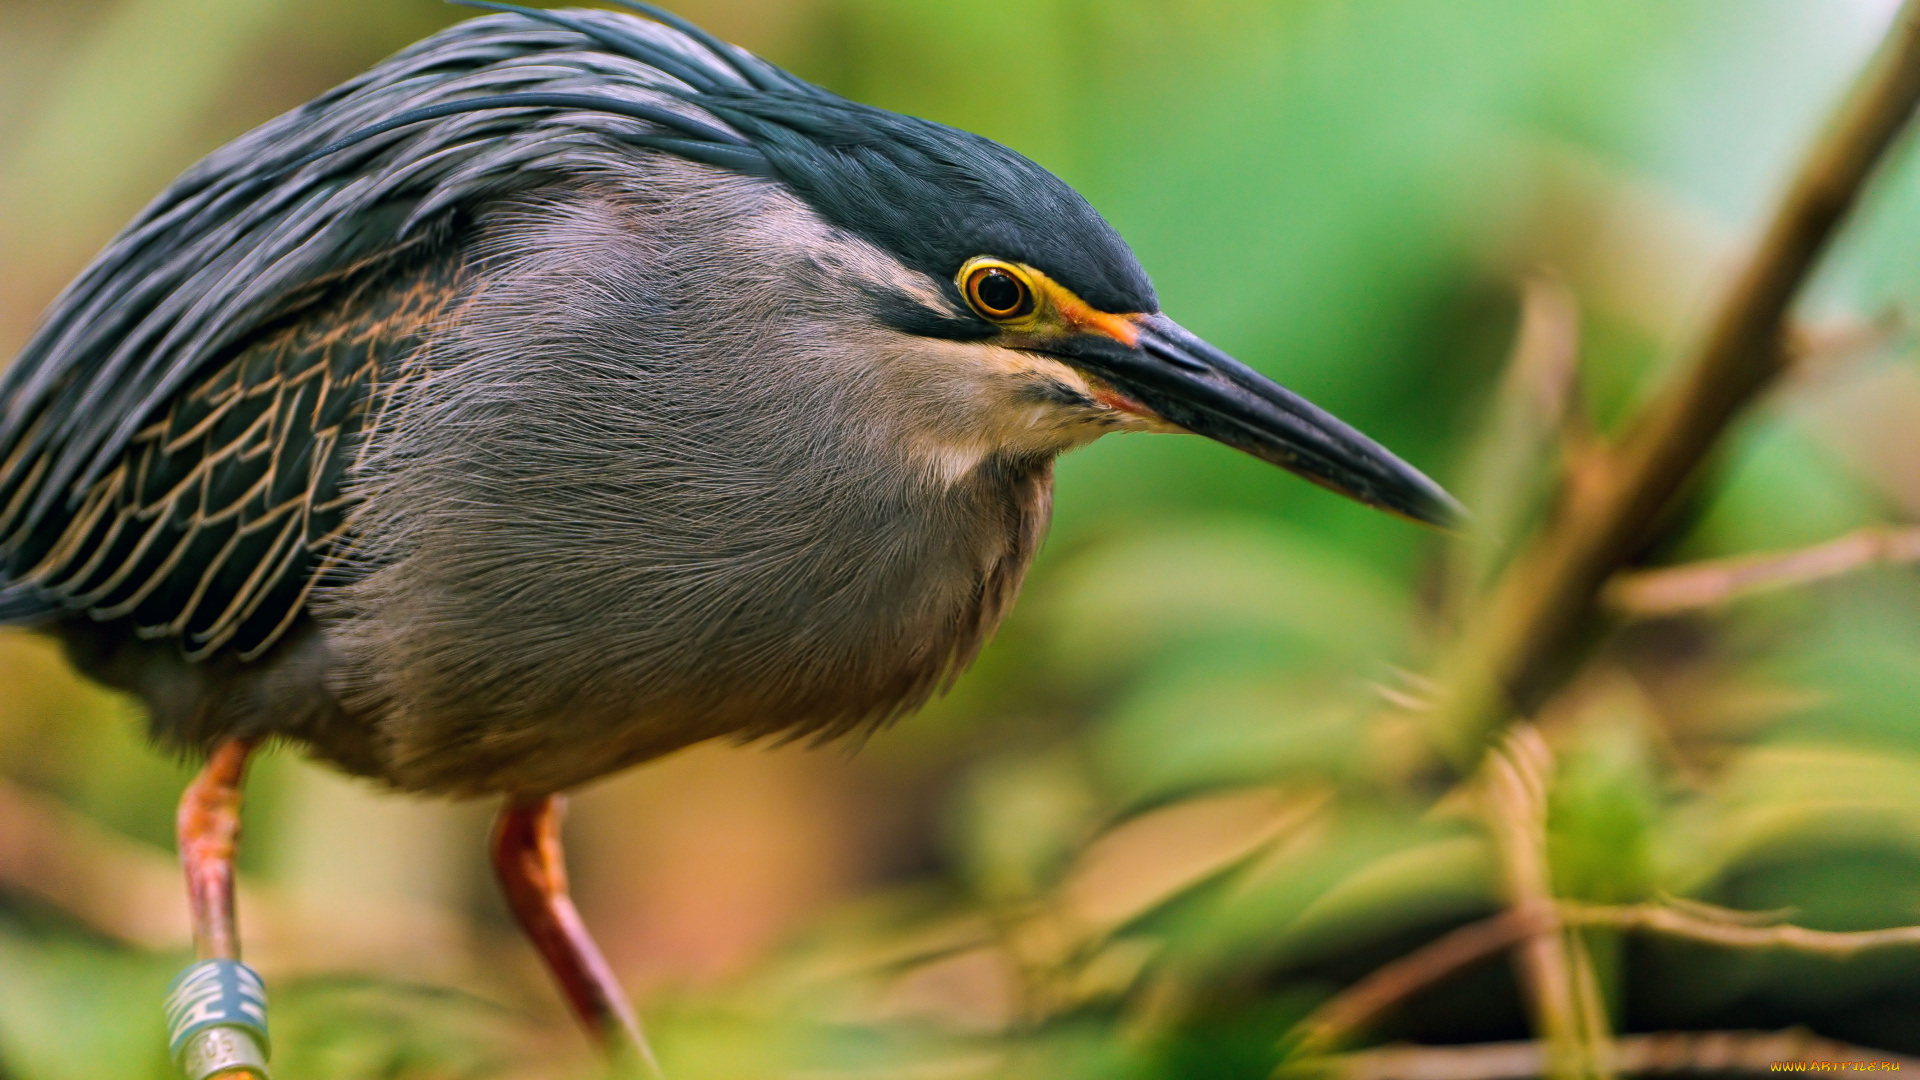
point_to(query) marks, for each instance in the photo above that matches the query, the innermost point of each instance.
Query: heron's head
(1035, 291)
(1006, 276)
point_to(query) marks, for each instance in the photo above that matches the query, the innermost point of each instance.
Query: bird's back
(200, 385)
(186, 572)
(210, 527)
(183, 490)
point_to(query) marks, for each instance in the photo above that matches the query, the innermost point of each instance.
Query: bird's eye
(999, 293)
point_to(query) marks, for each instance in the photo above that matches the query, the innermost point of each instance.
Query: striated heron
(571, 388)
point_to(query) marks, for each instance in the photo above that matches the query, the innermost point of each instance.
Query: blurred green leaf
(1425, 885)
(1246, 583)
(1780, 800)
(1213, 717)
(1368, 877)
(347, 1029)
(1604, 803)
(1147, 861)
(1019, 820)
(73, 1009)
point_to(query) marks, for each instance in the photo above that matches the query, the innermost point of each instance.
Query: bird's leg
(209, 836)
(216, 1009)
(528, 860)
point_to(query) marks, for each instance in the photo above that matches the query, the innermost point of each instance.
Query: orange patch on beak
(1076, 315)
(1080, 315)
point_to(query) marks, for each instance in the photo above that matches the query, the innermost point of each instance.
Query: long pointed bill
(1197, 387)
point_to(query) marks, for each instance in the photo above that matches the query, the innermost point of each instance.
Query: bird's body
(530, 597)
(569, 389)
(503, 500)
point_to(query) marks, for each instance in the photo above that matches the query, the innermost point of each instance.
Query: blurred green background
(1176, 805)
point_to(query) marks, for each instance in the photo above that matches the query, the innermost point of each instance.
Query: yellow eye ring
(998, 291)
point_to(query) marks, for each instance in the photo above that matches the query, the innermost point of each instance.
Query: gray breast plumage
(605, 516)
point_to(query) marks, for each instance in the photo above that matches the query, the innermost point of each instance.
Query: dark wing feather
(217, 256)
(213, 523)
(171, 438)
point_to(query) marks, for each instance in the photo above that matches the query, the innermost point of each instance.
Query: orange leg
(531, 866)
(209, 835)
(217, 1008)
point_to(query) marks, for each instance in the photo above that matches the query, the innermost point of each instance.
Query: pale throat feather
(976, 402)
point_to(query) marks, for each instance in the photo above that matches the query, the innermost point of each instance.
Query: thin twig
(1711, 583)
(1639, 1055)
(1551, 961)
(1816, 351)
(1447, 955)
(1673, 922)
(1426, 966)
(1541, 611)
(1511, 466)
(1596, 1025)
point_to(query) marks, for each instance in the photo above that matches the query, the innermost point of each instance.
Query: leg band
(217, 1020)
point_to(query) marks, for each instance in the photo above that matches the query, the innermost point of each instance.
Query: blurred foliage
(1182, 801)
(75, 1009)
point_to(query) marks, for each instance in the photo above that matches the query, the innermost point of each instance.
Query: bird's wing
(218, 255)
(211, 526)
(104, 414)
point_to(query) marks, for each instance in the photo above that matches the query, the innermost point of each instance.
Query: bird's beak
(1195, 386)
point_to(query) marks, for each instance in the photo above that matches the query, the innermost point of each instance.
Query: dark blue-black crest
(933, 195)
(937, 196)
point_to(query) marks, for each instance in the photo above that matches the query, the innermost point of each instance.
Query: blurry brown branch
(1433, 962)
(1543, 609)
(1511, 466)
(1667, 1053)
(1551, 962)
(1674, 590)
(1450, 953)
(1674, 922)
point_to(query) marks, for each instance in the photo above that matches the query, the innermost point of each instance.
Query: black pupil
(999, 292)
